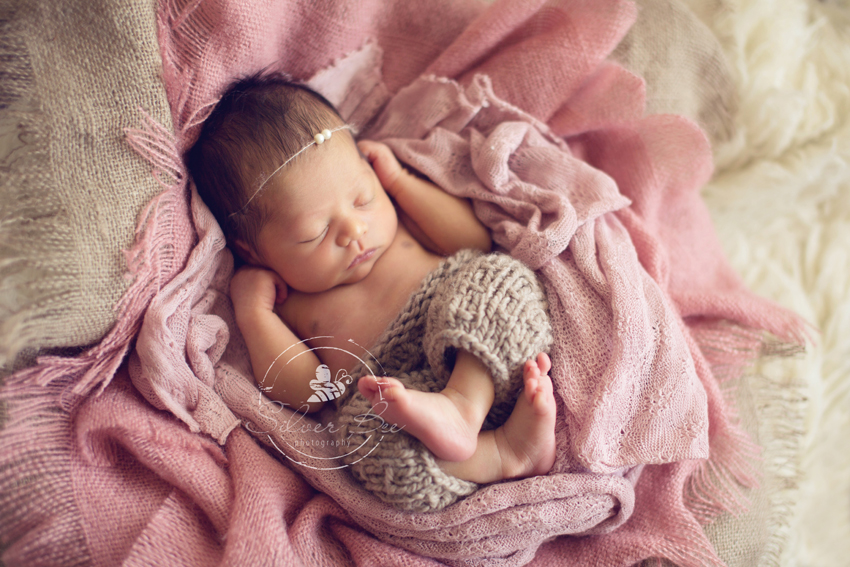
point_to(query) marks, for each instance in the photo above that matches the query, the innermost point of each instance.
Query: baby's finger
(281, 290)
(383, 162)
(370, 149)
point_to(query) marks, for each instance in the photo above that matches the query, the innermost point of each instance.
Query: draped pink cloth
(514, 106)
(621, 364)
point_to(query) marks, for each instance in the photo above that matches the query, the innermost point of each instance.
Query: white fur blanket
(780, 200)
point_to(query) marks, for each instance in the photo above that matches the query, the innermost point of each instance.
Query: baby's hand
(253, 289)
(385, 164)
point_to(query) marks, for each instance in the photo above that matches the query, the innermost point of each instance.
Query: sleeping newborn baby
(341, 244)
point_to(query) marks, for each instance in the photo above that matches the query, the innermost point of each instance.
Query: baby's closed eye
(364, 200)
(315, 238)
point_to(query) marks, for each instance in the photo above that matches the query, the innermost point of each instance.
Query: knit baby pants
(489, 305)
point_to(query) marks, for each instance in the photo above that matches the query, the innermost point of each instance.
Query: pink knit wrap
(515, 107)
(622, 369)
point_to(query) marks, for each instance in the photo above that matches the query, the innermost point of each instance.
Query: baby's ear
(245, 252)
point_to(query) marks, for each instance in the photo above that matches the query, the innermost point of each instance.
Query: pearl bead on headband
(318, 139)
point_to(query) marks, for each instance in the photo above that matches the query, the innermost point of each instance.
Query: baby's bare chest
(348, 314)
(345, 322)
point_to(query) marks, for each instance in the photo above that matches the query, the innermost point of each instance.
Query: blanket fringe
(718, 484)
(781, 407)
(156, 144)
(675, 551)
(186, 29)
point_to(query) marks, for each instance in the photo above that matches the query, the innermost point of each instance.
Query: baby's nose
(354, 229)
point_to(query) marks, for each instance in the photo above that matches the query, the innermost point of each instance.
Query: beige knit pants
(489, 305)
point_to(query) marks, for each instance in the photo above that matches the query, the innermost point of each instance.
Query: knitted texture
(489, 305)
(495, 309)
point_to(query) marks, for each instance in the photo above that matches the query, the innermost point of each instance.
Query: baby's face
(330, 218)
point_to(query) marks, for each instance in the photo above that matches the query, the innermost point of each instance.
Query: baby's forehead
(313, 183)
(284, 204)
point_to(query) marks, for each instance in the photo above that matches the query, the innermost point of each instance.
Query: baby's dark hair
(259, 122)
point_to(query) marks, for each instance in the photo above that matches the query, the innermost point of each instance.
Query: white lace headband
(318, 139)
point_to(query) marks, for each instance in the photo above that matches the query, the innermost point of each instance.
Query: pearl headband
(318, 139)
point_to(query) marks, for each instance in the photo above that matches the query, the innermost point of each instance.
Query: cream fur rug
(781, 203)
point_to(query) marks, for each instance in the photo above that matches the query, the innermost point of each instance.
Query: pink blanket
(548, 140)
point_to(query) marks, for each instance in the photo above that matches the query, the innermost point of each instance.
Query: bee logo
(325, 389)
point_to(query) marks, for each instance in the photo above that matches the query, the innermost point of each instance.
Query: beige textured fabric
(772, 408)
(683, 64)
(490, 305)
(74, 74)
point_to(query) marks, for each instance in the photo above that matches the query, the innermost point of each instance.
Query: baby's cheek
(316, 272)
(391, 216)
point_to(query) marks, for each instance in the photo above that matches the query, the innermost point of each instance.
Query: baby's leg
(525, 445)
(447, 422)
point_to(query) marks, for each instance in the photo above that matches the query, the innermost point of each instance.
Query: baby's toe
(368, 386)
(544, 363)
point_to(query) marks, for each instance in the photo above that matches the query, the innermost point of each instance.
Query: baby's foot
(526, 441)
(430, 417)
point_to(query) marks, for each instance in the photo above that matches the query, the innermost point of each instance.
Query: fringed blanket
(515, 107)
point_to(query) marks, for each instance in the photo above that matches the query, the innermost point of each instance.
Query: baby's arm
(254, 292)
(447, 222)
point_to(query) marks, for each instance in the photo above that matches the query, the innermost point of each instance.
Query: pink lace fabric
(515, 107)
(622, 368)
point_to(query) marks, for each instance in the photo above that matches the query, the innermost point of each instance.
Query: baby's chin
(359, 273)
